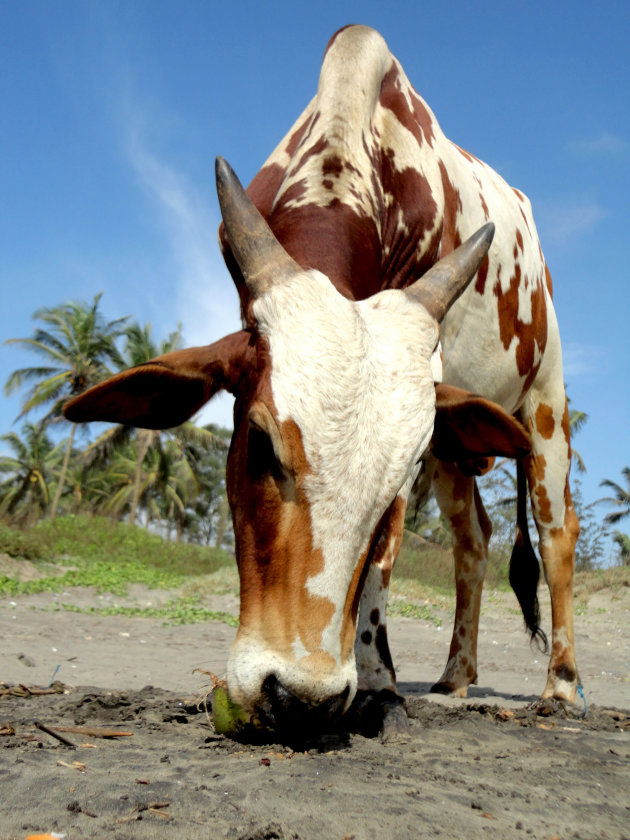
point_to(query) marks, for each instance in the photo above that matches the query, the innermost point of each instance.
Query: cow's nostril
(282, 710)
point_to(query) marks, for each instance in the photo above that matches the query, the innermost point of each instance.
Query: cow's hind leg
(378, 704)
(460, 502)
(547, 470)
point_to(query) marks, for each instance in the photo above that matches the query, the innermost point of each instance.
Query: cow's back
(366, 188)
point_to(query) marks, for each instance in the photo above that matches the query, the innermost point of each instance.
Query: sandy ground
(488, 766)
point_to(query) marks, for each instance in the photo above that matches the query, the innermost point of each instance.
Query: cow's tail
(524, 566)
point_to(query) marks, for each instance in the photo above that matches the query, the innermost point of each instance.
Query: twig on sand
(53, 734)
(22, 690)
(94, 731)
(76, 765)
(150, 807)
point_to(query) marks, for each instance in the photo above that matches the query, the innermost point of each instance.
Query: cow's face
(340, 414)
(335, 406)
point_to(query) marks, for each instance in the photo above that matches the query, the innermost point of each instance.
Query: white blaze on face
(357, 379)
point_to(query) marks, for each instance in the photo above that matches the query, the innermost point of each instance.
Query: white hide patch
(251, 661)
(357, 379)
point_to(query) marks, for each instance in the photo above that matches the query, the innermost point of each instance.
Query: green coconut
(228, 717)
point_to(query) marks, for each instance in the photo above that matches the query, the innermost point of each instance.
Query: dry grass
(222, 582)
(614, 578)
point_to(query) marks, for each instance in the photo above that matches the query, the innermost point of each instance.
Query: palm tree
(621, 499)
(208, 512)
(623, 542)
(577, 420)
(30, 471)
(76, 343)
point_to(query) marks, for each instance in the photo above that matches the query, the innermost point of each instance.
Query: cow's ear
(470, 429)
(169, 389)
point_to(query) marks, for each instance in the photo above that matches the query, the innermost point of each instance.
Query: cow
(398, 333)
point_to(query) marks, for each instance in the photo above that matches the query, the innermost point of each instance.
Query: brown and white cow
(346, 253)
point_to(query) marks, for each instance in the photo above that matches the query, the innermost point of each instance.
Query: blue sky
(112, 114)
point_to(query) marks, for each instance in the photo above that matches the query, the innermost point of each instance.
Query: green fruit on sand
(228, 717)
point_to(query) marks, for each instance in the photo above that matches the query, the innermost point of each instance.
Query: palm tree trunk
(143, 446)
(64, 470)
(222, 523)
(170, 516)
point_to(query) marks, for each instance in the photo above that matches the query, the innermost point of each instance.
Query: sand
(488, 766)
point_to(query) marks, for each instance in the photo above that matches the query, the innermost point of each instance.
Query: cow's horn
(259, 255)
(439, 288)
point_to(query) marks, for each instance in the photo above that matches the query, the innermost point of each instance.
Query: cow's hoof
(378, 713)
(548, 706)
(395, 724)
(448, 688)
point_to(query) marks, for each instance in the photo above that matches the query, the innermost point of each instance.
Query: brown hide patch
(545, 423)
(484, 207)
(301, 134)
(482, 275)
(295, 193)
(463, 594)
(548, 282)
(525, 220)
(314, 151)
(274, 546)
(335, 239)
(416, 119)
(405, 221)
(529, 336)
(537, 467)
(451, 238)
(543, 503)
(332, 165)
(470, 158)
(460, 523)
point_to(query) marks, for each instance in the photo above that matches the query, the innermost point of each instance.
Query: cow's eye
(261, 459)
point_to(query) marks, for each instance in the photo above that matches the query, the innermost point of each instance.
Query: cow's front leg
(378, 702)
(459, 501)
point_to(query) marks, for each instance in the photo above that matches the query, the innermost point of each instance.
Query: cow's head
(335, 408)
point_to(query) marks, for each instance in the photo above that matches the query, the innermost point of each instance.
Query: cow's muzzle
(280, 710)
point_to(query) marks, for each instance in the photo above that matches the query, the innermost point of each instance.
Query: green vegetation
(18, 543)
(173, 480)
(177, 611)
(621, 501)
(406, 609)
(94, 551)
(111, 556)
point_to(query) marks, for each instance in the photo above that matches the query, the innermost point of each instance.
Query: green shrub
(17, 543)
(111, 555)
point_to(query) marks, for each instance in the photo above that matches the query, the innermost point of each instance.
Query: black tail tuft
(525, 569)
